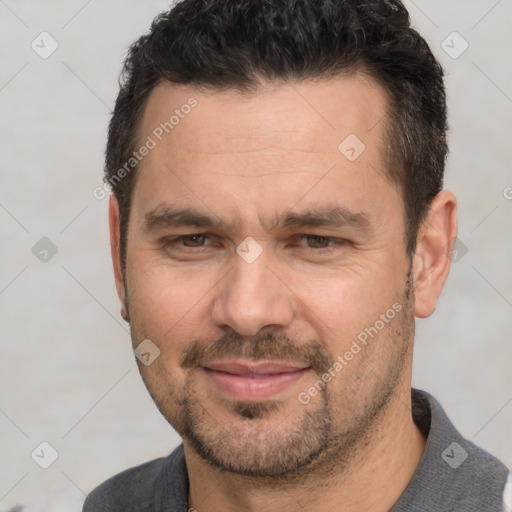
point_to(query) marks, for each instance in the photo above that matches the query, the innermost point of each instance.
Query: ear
(115, 232)
(432, 257)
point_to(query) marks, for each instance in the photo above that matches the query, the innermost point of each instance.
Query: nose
(251, 297)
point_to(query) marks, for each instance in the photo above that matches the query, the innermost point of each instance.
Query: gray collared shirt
(454, 475)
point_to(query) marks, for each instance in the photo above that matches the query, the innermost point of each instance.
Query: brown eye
(195, 240)
(183, 242)
(318, 242)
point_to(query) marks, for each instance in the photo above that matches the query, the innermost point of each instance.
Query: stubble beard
(305, 443)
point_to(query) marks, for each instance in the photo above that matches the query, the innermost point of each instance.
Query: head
(280, 202)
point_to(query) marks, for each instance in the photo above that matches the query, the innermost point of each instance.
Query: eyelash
(334, 241)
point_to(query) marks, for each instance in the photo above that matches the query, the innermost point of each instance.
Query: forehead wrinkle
(319, 216)
(328, 216)
(170, 215)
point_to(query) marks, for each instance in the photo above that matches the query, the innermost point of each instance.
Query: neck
(379, 471)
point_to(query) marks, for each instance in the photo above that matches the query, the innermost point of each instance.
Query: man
(277, 222)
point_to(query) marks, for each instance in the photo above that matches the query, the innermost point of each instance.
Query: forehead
(313, 115)
(271, 147)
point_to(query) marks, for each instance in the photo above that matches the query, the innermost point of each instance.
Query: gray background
(67, 372)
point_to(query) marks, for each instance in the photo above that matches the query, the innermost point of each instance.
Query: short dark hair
(235, 44)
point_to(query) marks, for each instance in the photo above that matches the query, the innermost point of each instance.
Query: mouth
(246, 380)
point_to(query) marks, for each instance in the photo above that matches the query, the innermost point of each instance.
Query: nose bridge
(251, 296)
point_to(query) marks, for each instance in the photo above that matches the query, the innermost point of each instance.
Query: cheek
(154, 284)
(345, 303)
(167, 305)
(171, 304)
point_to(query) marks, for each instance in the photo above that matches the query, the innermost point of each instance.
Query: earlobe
(115, 232)
(432, 258)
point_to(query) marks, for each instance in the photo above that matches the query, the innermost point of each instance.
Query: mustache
(267, 346)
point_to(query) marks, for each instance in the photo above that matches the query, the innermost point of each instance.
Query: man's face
(252, 309)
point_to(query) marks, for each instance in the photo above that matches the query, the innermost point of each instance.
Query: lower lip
(254, 388)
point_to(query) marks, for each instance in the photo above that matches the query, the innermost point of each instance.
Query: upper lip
(264, 368)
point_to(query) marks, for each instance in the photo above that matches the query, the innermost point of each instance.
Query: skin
(303, 300)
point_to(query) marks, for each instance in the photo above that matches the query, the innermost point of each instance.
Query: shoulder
(132, 489)
(454, 473)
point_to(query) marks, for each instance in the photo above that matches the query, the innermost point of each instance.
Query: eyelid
(331, 239)
(174, 241)
(300, 236)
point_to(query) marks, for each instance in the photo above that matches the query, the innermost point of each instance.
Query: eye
(189, 241)
(317, 241)
(199, 240)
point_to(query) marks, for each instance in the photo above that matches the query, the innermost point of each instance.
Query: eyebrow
(335, 216)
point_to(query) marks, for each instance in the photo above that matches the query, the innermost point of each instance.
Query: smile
(249, 381)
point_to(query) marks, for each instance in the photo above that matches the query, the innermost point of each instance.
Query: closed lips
(253, 371)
